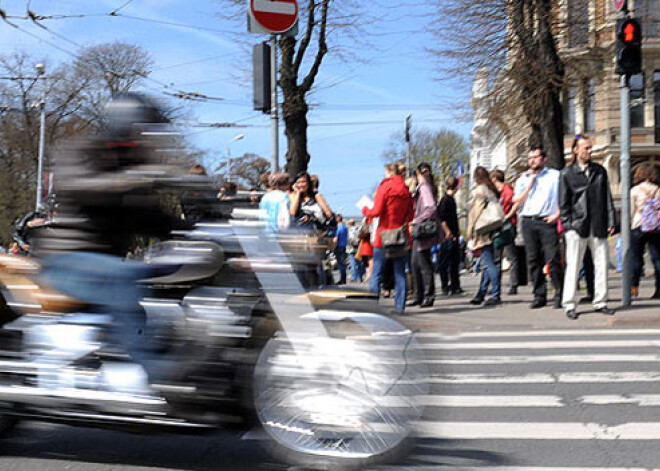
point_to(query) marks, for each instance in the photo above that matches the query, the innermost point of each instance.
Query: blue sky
(395, 79)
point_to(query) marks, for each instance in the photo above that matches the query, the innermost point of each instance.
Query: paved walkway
(454, 313)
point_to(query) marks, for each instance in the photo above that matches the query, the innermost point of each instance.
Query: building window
(578, 23)
(589, 103)
(569, 110)
(647, 13)
(637, 93)
(656, 103)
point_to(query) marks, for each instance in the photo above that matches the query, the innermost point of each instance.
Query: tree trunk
(552, 118)
(294, 112)
(552, 129)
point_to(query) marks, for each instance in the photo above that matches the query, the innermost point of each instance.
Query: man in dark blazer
(587, 214)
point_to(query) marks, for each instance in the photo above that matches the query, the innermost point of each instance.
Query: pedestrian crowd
(551, 223)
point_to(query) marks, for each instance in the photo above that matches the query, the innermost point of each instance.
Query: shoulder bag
(503, 236)
(395, 241)
(426, 229)
(491, 218)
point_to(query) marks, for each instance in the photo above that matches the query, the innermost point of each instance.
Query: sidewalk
(454, 313)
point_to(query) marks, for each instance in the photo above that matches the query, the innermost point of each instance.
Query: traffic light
(628, 47)
(261, 78)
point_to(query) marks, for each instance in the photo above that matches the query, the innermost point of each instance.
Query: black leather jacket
(585, 203)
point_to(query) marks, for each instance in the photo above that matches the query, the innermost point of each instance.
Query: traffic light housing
(261, 77)
(628, 47)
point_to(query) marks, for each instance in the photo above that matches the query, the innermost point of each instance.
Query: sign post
(273, 17)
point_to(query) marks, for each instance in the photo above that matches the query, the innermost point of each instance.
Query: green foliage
(441, 149)
(76, 93)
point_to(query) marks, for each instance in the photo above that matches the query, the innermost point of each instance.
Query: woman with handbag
(484, 217)
(426, 234)
(645, 190)
(393, 207)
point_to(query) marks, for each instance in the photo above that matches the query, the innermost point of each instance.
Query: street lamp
(41, 70)
(238, 137)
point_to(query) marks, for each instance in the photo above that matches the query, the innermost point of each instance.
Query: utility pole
(625, 189)
(409, 145)
(628, 49)
(42, 138)
(274, 119)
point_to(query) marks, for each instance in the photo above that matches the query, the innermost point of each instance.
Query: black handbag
(426, 229)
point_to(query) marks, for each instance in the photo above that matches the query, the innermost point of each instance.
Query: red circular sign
(276, 16)
(619, 4)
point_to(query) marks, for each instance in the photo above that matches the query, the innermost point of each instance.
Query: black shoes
(538, 302)
(571, 314)
(428, 302)
(457, 291)
(513, 290)
(478, 299)
(414, 302)
(557, 302)
(492, 302)
(606, 310)
(586, 299)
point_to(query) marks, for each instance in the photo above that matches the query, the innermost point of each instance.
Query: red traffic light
(630, 31)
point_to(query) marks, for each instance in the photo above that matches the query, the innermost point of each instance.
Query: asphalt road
(509, 399)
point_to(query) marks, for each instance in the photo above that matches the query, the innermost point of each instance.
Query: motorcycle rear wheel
(335, 403)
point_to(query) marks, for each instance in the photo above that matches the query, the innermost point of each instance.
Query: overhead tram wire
(193, 96)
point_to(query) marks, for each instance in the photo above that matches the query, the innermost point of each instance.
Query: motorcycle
(327, 382)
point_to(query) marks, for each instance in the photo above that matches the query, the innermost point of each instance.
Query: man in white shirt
(537, 193)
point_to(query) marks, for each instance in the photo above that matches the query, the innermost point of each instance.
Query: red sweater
(392, 204)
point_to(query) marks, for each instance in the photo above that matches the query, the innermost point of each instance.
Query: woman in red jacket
(393, 207)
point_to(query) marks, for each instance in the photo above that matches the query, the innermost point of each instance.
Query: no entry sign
(275, 16)
(619, 5)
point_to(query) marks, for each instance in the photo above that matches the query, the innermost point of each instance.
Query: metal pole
(274, 120)
(466, 194)
(42, 144)
(625, 189)
(409, 142)
(229, 161)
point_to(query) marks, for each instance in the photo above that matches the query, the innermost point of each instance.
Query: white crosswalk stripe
(503, 389)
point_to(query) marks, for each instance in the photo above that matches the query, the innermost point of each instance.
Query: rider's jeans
(110, 285)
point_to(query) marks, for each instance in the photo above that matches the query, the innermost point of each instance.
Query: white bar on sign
(273, 6)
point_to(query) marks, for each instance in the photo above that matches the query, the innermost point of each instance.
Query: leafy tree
(245, 170)
(75, 95)
(441, 149)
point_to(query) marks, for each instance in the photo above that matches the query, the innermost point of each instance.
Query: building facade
(585, 32)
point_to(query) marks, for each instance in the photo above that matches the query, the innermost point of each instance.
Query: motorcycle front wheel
(340, 403)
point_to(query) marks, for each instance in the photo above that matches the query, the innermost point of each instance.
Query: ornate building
(489, 142)
(591, 97)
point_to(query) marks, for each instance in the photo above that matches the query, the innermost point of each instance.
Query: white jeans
(575, 248)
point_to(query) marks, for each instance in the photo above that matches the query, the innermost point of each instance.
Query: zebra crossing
(542, 400)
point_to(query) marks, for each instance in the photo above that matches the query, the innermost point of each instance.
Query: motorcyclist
(106, 190)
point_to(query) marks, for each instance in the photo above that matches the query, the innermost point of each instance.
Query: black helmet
(127, 110)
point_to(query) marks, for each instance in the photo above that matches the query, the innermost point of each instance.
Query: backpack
(651, 214)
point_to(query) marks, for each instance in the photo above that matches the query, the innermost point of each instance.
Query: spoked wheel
(340, 403)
